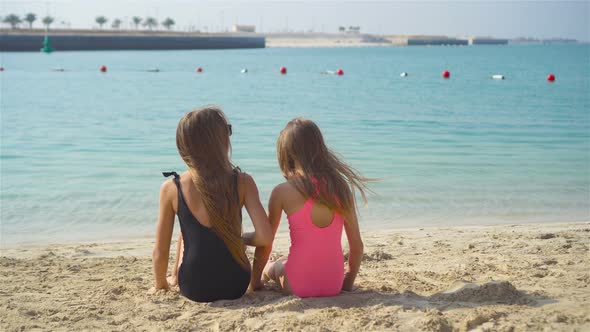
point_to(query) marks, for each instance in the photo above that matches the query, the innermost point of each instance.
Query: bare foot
(351, 289)
(153, 290)
(254, 286)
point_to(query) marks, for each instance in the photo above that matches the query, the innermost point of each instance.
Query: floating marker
(551, 78)
(283, 70)
(404, 74)
(339, 72)
(446, 74)
(199, 70)
(243, 71)
(46, 45)
(103, 69)
(498, 77)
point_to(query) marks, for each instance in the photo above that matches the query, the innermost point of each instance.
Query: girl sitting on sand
(318, 198)
(208, 199)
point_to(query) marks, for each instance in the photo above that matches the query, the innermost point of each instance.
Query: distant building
(354, 29)
(350, 29)
(243, 28)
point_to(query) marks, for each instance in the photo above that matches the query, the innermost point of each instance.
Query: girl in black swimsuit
(208, 199)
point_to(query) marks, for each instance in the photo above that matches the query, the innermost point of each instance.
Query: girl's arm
(262, 234)
(261, 254)
(355, 243)
(178, 252)
(163, 235)
(173, 279)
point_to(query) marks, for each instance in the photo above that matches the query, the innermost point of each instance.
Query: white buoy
(497, 77)
(243, 71)
(404, 74)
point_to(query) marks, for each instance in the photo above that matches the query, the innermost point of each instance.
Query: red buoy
(103, 69)
(446, 74)
(551, 78)
(283, 70)
(1, 68)
(199, 70)
(340, 72)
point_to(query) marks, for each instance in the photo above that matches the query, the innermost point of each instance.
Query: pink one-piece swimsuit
(315, 266)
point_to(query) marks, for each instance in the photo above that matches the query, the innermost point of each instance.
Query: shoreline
(27, 40)
(500, 278)
(108, 239)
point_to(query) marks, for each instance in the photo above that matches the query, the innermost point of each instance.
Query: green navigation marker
(46, 45)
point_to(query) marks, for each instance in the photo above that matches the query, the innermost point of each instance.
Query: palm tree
(116, 23)
(150, 22)
(30, 18)
(13, 20)
(47, 20)
(168, 23)
(101, 20)
(136, 21)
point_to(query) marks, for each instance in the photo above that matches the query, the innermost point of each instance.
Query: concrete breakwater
(89, 42)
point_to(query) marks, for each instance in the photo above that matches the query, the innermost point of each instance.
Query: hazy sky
(542, 19)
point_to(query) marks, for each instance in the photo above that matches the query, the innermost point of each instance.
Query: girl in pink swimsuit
(318, 199)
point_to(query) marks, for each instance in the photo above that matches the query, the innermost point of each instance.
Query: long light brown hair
(202, 139)
(304, 158)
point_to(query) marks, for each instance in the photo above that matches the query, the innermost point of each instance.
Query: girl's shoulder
(169, 185)
(244, 179)
(285, 189)
(168, 189)
(246, 186)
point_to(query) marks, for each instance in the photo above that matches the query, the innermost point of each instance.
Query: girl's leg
(173, 279)
(276, 271)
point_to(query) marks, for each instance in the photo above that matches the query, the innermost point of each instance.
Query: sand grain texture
(497, 278)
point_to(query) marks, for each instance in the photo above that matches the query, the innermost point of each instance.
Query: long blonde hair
(304, 158)
(202, 139)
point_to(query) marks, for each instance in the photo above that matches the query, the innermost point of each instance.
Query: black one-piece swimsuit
(208, 271)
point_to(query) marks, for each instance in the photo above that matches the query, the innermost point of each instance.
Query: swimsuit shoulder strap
(176, 177)
(176, 181)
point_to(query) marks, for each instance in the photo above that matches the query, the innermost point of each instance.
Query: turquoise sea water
(81, 152)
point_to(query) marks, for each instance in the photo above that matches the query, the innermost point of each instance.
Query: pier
(32, 42)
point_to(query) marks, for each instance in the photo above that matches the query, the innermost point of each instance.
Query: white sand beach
(487, 278)
(311, 40)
